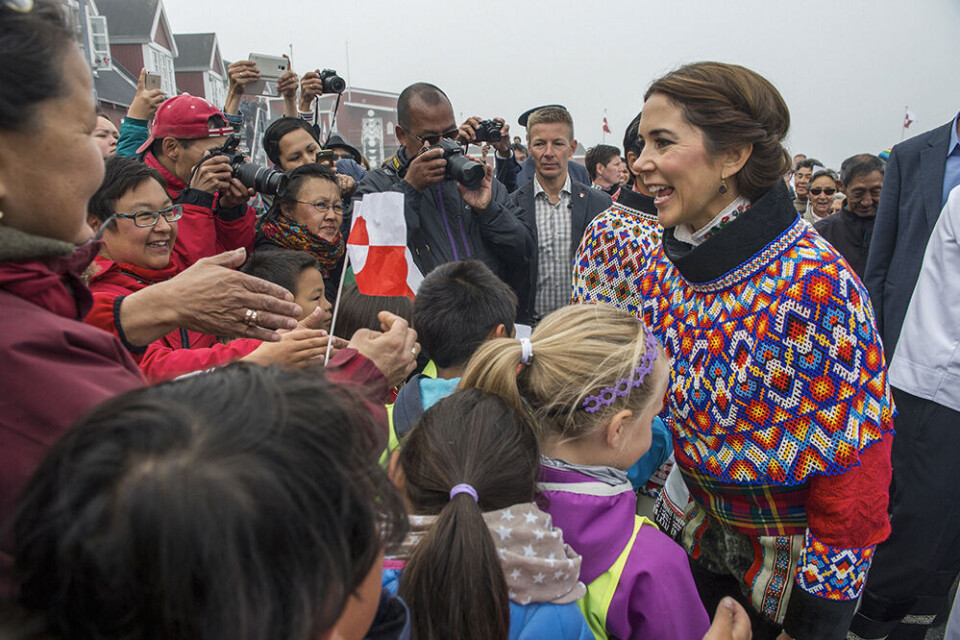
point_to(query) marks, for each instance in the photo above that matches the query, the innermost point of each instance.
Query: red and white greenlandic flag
(377, 247)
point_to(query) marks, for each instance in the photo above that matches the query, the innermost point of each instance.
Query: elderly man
(557, 209)
(446, 220)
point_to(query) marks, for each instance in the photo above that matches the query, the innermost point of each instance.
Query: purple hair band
(623, 386)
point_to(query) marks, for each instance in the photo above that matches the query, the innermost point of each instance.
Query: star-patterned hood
(537, 564)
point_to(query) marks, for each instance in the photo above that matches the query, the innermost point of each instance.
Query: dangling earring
(723, 186)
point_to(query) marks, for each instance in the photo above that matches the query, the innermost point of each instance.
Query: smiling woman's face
(49, 171)
(315, 210)
(146, 247)
(676, 168)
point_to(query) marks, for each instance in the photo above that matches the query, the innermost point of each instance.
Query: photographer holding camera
(216, 216)
(454, 208)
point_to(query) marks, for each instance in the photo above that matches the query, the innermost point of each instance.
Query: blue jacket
(535, 621)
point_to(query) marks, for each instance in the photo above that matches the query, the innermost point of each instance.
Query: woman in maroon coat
(53, 367)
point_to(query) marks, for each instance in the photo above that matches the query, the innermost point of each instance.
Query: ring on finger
(251, 317)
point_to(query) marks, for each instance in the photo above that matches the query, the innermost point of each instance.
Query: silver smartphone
(271, 68)
(152, 81)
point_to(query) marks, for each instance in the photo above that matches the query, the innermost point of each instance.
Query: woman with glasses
(850, 230)
(53, 367)
(138, 225)
(820, 192)
(306, 216)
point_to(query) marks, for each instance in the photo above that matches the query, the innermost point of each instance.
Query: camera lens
(261, 179)
(465, 171)
(334, 84)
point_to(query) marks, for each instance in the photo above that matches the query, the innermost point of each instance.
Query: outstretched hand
(394, 350)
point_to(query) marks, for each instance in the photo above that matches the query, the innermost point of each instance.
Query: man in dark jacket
(557, 210)
(445, 220)
(850, 229)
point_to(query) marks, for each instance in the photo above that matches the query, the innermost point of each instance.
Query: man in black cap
(342, 149)
(515, 174)
(446, 220)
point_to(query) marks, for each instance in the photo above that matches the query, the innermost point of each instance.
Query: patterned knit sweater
(779, 382)
(609, 263)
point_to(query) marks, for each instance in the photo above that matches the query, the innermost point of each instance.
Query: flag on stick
(377, 246)
(908, 118)
(606, 127)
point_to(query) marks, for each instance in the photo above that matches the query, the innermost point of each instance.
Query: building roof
(137, 22)
(115, 85)
(197, 51)
(129, 19)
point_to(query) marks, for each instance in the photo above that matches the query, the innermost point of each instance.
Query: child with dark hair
(458, 307)
(297, 272)
(243, 504)
(359, 311)
(481, 561)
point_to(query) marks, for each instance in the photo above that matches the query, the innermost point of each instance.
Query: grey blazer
(586, 204)
(908, 210)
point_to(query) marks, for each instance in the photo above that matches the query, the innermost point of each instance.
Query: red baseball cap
(186, 117)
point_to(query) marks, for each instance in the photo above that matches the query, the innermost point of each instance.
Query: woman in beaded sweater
(782, 415)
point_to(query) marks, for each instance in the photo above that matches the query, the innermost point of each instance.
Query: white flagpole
(336, 307)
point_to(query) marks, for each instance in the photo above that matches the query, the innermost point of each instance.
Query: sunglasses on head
(827, 190)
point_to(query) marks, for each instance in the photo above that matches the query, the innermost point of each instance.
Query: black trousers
(913, 570)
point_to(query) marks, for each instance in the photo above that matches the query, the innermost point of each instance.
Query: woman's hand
(145, 103)
(212, 298)
(311, 86)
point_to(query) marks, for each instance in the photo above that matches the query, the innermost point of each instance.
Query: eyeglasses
(434, 139)
(323, 206)
(150, 218)
(343, 156)
(827, 190)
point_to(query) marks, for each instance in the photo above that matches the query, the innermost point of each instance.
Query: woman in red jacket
(53, 367)
(139, 229)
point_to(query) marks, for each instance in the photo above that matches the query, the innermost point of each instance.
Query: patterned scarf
(292, 235)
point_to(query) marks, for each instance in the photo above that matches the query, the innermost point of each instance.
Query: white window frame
(99, 43)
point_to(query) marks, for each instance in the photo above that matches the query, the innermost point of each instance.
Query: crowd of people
(694, 388)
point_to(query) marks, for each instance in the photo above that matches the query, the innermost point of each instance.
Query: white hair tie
(526, 349)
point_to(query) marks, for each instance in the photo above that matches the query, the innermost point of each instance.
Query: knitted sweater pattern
(609, 263)
(778, 373)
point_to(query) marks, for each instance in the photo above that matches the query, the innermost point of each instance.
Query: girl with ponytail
(593, 378)
(481, 561)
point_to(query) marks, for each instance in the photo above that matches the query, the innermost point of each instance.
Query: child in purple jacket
(594, 378)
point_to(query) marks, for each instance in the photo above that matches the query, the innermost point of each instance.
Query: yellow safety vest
(393, 443)
(600, 592)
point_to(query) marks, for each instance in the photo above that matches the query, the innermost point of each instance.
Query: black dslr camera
(459, 167)
(488, 131)
(332, 83)
(260, 179)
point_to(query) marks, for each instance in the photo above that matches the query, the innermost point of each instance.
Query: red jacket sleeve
(847, 518)
(202, 233)
(162, 361)
(105, 314)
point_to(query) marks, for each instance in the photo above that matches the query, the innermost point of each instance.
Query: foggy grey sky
(846, 68)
